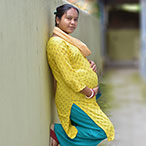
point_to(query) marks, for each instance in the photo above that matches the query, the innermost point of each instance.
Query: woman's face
(68, 21)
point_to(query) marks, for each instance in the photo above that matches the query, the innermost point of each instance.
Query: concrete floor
(126, 100)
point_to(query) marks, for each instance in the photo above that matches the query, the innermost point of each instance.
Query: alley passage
(127, 99)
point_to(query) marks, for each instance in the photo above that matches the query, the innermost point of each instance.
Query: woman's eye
(75, 19)
(69, 18)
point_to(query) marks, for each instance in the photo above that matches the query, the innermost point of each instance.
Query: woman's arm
(59, 55)
(86, 91)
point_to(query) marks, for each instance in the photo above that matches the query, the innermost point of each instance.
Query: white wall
(143, 39)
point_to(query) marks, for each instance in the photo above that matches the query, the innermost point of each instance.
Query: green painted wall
(25, 88)
(26, 93)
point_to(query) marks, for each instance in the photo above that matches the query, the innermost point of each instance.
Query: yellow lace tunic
(73, 73)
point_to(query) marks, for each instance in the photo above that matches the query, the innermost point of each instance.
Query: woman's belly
(88, 77)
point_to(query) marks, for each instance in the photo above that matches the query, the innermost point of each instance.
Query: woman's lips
(72, 27)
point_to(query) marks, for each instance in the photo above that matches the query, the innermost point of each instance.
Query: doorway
(123, 35)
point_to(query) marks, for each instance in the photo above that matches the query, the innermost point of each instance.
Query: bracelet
(92, 95)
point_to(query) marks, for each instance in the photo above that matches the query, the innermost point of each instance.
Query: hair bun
(55, 13)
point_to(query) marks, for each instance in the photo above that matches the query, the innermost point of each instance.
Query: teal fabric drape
(89, 134)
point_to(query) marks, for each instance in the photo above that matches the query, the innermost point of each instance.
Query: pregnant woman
(82, 121)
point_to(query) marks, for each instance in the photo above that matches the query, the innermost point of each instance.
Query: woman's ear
(57, 20)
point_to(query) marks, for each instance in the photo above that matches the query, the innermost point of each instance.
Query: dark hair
(62, 9)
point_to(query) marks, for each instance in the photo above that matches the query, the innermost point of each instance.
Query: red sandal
(53, 136)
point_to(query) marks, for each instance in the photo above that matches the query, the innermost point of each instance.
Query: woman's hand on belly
(88, 91)
(93, 65)
(96, 90)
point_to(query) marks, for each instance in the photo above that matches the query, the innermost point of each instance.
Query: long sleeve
(61, 56)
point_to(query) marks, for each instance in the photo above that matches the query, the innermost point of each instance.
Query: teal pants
(89, 134)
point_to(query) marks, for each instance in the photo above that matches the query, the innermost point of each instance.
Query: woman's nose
(72, 21)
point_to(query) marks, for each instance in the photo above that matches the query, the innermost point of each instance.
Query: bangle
(92, 95)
